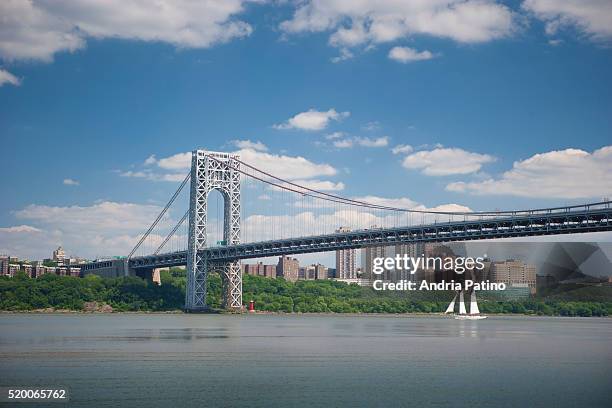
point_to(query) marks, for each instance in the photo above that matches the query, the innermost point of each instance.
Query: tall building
(513, 272)
(270, 271)
(13, 269)
(259, 269)
(367, 263)
(249, 269)
(38, 270)
(345, 260)
(4, 265)
(59, 255)
(288, 268)
(307, 272)
(412, 250)
(320, 272)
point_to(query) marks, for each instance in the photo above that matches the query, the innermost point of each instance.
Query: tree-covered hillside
(275, 295)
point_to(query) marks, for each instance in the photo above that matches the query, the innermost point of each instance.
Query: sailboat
(463, 315)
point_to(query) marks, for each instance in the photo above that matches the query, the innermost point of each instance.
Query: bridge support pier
(213, 171)
(232, 285)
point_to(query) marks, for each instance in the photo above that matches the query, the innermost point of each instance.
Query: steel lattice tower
(213, 171)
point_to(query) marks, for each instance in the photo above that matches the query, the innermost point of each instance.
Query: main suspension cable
(161, 214)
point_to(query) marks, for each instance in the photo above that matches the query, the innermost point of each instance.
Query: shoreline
(266, 313)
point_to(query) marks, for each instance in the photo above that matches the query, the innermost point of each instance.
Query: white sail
(461, 304)
(451, 307)
(473, 305)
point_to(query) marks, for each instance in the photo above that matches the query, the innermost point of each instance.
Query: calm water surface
(133, 360)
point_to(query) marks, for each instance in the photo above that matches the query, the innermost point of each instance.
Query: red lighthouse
(251, 306)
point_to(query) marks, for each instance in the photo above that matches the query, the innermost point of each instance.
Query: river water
(175, 360)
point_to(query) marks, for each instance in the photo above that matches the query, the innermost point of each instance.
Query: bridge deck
(553, 223)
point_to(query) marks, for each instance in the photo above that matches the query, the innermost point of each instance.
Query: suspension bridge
(260, 214)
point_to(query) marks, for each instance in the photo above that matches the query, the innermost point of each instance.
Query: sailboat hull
(469, 317)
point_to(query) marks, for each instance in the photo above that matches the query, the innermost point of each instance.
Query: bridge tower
(213, 171)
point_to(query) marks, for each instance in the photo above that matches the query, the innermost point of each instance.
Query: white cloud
(335, 135)
(362, 141)
(320, 185)
(150, 160)
(38, 30)
(372, 142)
(104, 228)
(153, 176)
(19, 229)
(370, 126)
(408, 204)
(405, 54)
(107, 216)
(247, 144)
(343, 144)
(345, 54)
(388, 202)
(592, 17)
(362, 23)
(567, 174)
(312, 120)
(288, 167)
(8, 78)
(446, 161)
(402, 149)
(71, 182)
(179, 161)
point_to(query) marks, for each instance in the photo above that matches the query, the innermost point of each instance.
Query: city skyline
(476, 115)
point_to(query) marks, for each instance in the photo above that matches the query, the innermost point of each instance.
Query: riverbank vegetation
(22, 293)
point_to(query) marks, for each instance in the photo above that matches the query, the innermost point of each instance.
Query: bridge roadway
(591, 218)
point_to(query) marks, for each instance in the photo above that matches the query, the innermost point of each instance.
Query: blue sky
(507, 106)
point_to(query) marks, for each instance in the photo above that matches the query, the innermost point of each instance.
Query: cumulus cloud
(406, 55)
(150, 160)
(8, 78)
(446, 161)
(247, 144)
(345, 54)
(372, 142)
(402, 202)
(343, 144)
(39, 29)
(321, 185)
(567, 174)
(106, 216)
(312, 120)
(150, 175)
(362, 23)
(335, 135)
(19, 229)
(179, 161)
(103, 228)
(371, 126)
(70, 182)
(408, 204)
(362, 141)
(591, 17)
(399, 149)
(288, 167)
